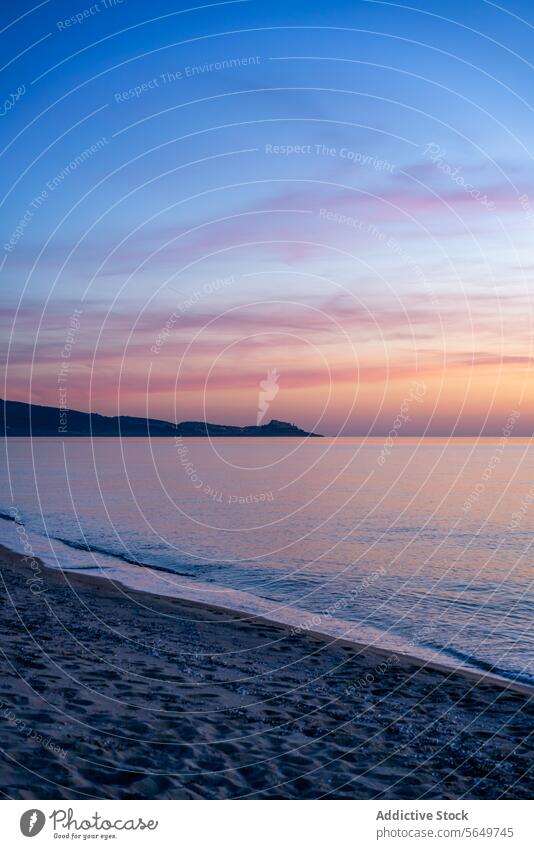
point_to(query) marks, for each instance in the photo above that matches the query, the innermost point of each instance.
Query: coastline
(148, 695)
(252, 609)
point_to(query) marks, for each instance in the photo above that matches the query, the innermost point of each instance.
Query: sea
(417, 545)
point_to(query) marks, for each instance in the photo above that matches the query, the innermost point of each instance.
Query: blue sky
(355, 168)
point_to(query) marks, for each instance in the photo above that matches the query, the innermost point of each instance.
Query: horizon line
(338, 435)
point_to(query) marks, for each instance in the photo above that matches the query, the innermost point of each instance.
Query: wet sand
(111, 693)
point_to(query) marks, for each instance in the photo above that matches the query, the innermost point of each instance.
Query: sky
(336, 198)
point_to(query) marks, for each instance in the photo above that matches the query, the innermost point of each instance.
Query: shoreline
(128, 694)
(244, 616)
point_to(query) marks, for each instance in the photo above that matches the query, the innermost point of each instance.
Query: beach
(112, 693)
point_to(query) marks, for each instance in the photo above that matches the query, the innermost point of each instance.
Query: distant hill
(19, 419)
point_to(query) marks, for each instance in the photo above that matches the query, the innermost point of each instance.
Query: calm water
(426, 548)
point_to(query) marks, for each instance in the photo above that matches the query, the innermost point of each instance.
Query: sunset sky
(343, 192)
